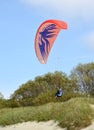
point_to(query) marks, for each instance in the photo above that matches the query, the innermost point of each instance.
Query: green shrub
(69, 95)
(2, 103)
(26, 102)
(77, 114)
(44, 98)
(49, 96)
(12, 103)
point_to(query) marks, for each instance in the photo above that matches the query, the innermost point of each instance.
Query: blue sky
(19, 21)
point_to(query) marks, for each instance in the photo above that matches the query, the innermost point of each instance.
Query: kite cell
(45, 37)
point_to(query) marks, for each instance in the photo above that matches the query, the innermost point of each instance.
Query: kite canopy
(45, 37)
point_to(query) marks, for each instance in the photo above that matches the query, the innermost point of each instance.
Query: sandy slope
(50, 125)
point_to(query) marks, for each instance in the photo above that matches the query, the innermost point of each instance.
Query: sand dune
(49, 125)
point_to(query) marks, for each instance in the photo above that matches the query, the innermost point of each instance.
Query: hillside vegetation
(73, 114)
(35, 99)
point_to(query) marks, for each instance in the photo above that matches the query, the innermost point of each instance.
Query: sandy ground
(50, 125)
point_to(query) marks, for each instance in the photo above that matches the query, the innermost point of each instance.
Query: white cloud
(72, 8)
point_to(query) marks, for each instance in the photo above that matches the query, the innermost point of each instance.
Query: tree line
(42, 89)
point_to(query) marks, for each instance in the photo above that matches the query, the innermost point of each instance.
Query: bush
(67, 96)
(26, 102)
(44, 98)
(49, 96)
(2, 103)
(12, 103)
